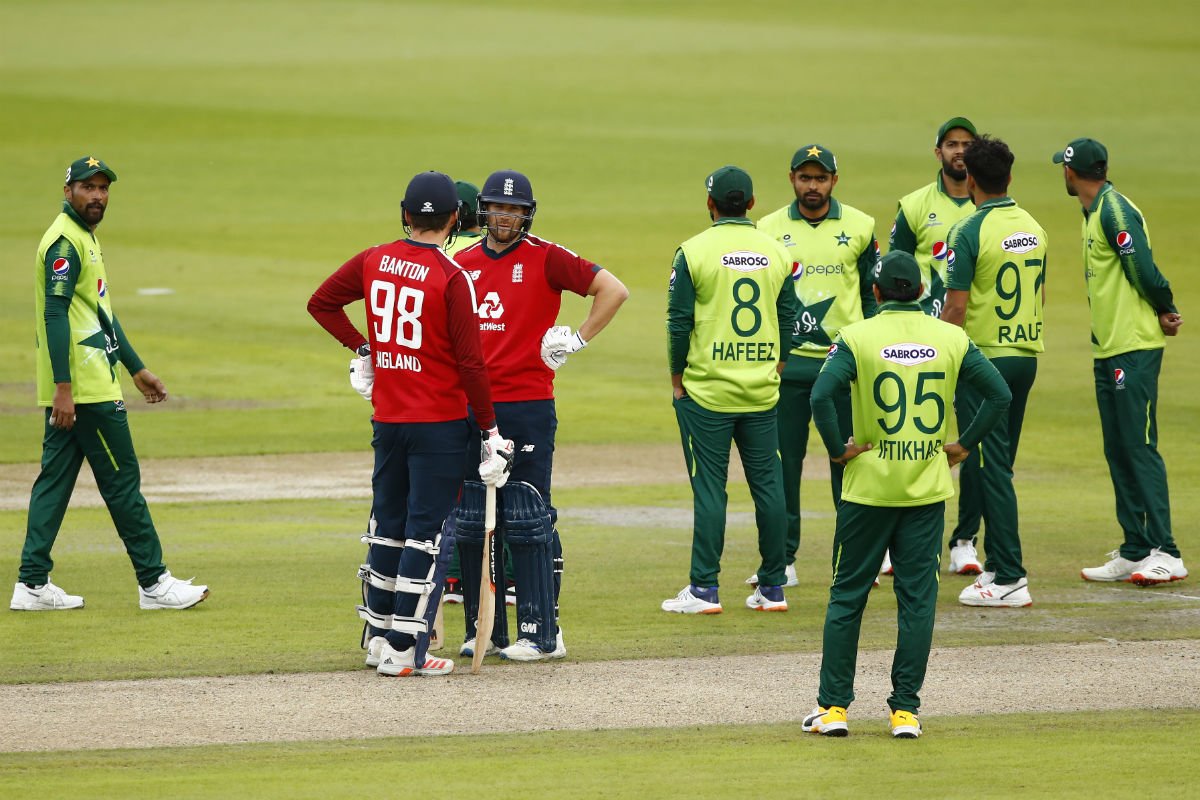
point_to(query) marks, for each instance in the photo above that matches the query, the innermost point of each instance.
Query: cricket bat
(437, 639)
(487, 584)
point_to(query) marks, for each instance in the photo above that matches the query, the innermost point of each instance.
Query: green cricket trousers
(795, 413)
(101, 435)
(707, 436)
(914, 536)
(985, 477)
(1127, 395)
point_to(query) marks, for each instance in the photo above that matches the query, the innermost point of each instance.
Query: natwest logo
(491, 307)
(908, 354)
(745, 261)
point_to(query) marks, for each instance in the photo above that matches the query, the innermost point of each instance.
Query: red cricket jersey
(519, 294)
(421, 321)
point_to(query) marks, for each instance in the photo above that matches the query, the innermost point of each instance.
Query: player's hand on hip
(62, 409)
(558, 343)
(852, 451)
(362, 375)
(497, 459)
(955, 453)
(150, 386)
(1170, 321)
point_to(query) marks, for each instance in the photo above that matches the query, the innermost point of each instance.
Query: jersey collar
(896, 305)
(835, 211)
(941, 184)
(734, 221)
(494, 256)
(997, 202)
(70, 212)
(1105, 189)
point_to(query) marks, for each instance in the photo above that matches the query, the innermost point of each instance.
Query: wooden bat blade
(487, 586)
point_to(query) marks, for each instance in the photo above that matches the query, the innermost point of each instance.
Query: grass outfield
(1029, 755)
(259, 144)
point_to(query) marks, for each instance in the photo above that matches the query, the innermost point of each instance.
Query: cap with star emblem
(814, 152)
(86, 167)
(730, 185)
(1086, 156)
(897, 270)
(951, 124)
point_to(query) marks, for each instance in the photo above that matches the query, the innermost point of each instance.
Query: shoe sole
(1141, 580)
(1126, 579)
(837, 731)
(970, 569)
(44, 608)
(899, 734)
(717, 610)
(767, 608)
(995, 605)
(142, 605)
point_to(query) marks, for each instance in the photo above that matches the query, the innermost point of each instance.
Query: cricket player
(903, 366)
(519, 280)
(79, 345)
(832, 249)
(729, 318)
(424, 362)
(468, 232)
(995, 288)
(1133, 311)
(922, 226)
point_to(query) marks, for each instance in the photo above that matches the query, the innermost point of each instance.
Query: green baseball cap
(897, 270)
(1086, 156)
(952, 123)
(815, 152)
(87, 167)
(468, 193)
(731, 185)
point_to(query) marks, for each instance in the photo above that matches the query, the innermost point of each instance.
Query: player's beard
(813, 201)
(953, 172)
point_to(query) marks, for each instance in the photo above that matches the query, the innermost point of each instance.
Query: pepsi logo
(797, 270)
(1119, 377)
(949, 258)
(1124, 239)
(672, 277)
(939, 250)
(893, 233)
(101, 287)
(61, 266)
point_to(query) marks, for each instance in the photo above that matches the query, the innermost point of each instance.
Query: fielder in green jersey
(833, 251)
(468, 233)
(728, 318)
(1133, 311)
(995, 287)
(924, 217)
(79, 345)
(903, 367)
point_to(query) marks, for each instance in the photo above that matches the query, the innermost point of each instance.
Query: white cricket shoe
(985, 578)
(1117, 569)
(374, 649)
(1159, 567)
(526, 650)
(170, 592)
(395, 663)
(468, 648)
(452, 593)
(689, 602)
(789, 573)
(964, 559)
(997, 595)
(560, 646)
(46, 597)
(767, 598)
(886, 567)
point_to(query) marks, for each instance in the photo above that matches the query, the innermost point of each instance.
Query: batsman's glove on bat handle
(362, 372)
(558, 343)
(497, 459)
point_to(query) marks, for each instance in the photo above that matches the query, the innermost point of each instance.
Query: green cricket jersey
(1126, 291)
(729, 303)
(832, 264)
(904, 366)
(462, 241)
(70, 266)
(922, 225)
(998, 254)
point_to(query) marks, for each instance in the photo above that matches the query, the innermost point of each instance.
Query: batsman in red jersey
(519, 281)
(421, 367)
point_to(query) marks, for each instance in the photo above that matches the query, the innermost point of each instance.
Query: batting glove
(362, 373)
(558, 343)
(497, 459)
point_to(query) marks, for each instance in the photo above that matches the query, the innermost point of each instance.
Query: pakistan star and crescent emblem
(92, 162)
(843, 239)
(813, 151)
(809, 321)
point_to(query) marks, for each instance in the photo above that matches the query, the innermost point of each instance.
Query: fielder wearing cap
(1133, 311)
(729, 317)
(833, 251)
(468, 220)
(904, 367)
(924, 217)
(80, 345)
(421, 367)
(995, 286)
